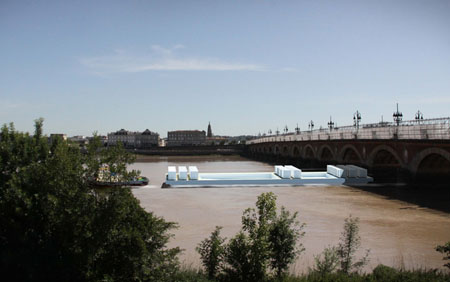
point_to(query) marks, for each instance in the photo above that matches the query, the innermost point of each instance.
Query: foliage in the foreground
(267, 244)
(55, 227)
(349, 243)
(212, 252)
(342, 256)
(445, 249)
(381, 273)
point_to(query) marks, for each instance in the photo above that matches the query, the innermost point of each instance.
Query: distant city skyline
(244, 66)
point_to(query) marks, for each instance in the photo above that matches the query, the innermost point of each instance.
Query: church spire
(209, 130)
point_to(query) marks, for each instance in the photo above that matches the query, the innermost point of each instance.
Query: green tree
(55, 227)
(349, 243)
(267, 242)
(445, 250)
(212, 252)
(285, 232)
(327, 262)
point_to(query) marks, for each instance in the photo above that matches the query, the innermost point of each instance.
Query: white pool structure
(282, 175)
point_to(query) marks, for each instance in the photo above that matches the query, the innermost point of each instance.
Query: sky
(244, 66)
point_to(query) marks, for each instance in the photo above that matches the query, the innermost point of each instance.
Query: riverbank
(190, 150)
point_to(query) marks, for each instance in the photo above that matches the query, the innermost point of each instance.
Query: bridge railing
(429, 129)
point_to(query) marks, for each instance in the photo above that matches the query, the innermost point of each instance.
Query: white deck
(256, 178)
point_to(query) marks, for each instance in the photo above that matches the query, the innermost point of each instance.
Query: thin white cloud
(160, 59)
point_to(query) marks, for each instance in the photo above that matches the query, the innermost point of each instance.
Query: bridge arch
(309, 152)
(285, 151)
(296, 151)
(325, 153)
(431, 160)
(276, 150)
(349, 154)
(384, 155)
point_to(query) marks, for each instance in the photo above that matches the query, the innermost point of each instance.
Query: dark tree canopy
(55, 227)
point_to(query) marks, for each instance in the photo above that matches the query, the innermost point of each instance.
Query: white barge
(282, 175)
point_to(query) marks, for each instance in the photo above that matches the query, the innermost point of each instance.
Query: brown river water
(398, 233)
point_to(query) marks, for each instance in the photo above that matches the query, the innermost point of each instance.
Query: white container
(295, 172)
(361, 172)
(182, 173)
(285, 173)
(193, 173)
(171, 173)
(335, 171)
(277, 169)
(345, 169)
(352, 171)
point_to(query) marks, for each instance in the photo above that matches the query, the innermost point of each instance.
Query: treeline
(55, 227)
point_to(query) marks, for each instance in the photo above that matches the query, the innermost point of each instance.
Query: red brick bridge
(412, 159)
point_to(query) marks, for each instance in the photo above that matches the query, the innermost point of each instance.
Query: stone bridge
(385, 159)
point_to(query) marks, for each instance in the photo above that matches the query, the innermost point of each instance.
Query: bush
(212, 252)
(267, 244)
(445, 249)
(327, 262)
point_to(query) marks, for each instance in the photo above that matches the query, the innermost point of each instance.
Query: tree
(349, 243)
(284, 234)
(445, 250)
(212, 251)
(55, 227)
(267, 243)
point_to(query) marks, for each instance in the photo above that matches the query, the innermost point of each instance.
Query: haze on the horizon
(245, 66)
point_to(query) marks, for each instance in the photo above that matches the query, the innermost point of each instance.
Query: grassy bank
(380, 273)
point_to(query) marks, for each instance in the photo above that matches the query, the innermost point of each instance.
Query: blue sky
(246, 66)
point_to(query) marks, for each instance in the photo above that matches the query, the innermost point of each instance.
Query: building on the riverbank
(134, 139)
(186, 138)
(217, 140)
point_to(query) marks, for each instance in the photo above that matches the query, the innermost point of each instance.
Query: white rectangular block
(295, 172)
(361, 172)
(352, 172)
(285, 173)
(277, 169)
(193, 173)
(335, 171)
(171, 173)
(182, 173)
(345, 169)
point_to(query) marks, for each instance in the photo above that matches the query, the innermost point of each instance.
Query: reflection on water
(397, 232)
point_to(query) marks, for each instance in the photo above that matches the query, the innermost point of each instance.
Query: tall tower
(209, 130)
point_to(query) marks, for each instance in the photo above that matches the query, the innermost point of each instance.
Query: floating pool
(287, 175)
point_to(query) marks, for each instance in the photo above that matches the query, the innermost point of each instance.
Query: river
(398, 233)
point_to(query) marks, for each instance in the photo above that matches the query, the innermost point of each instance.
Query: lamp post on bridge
(285, 129)
(419, 116)
(356, 119)
(330, 124)
(277, 132)
(398, 116)
(269, 132)
(297, 129)
(311, 125)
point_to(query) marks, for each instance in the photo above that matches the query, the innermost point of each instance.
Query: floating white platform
(287, 175)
